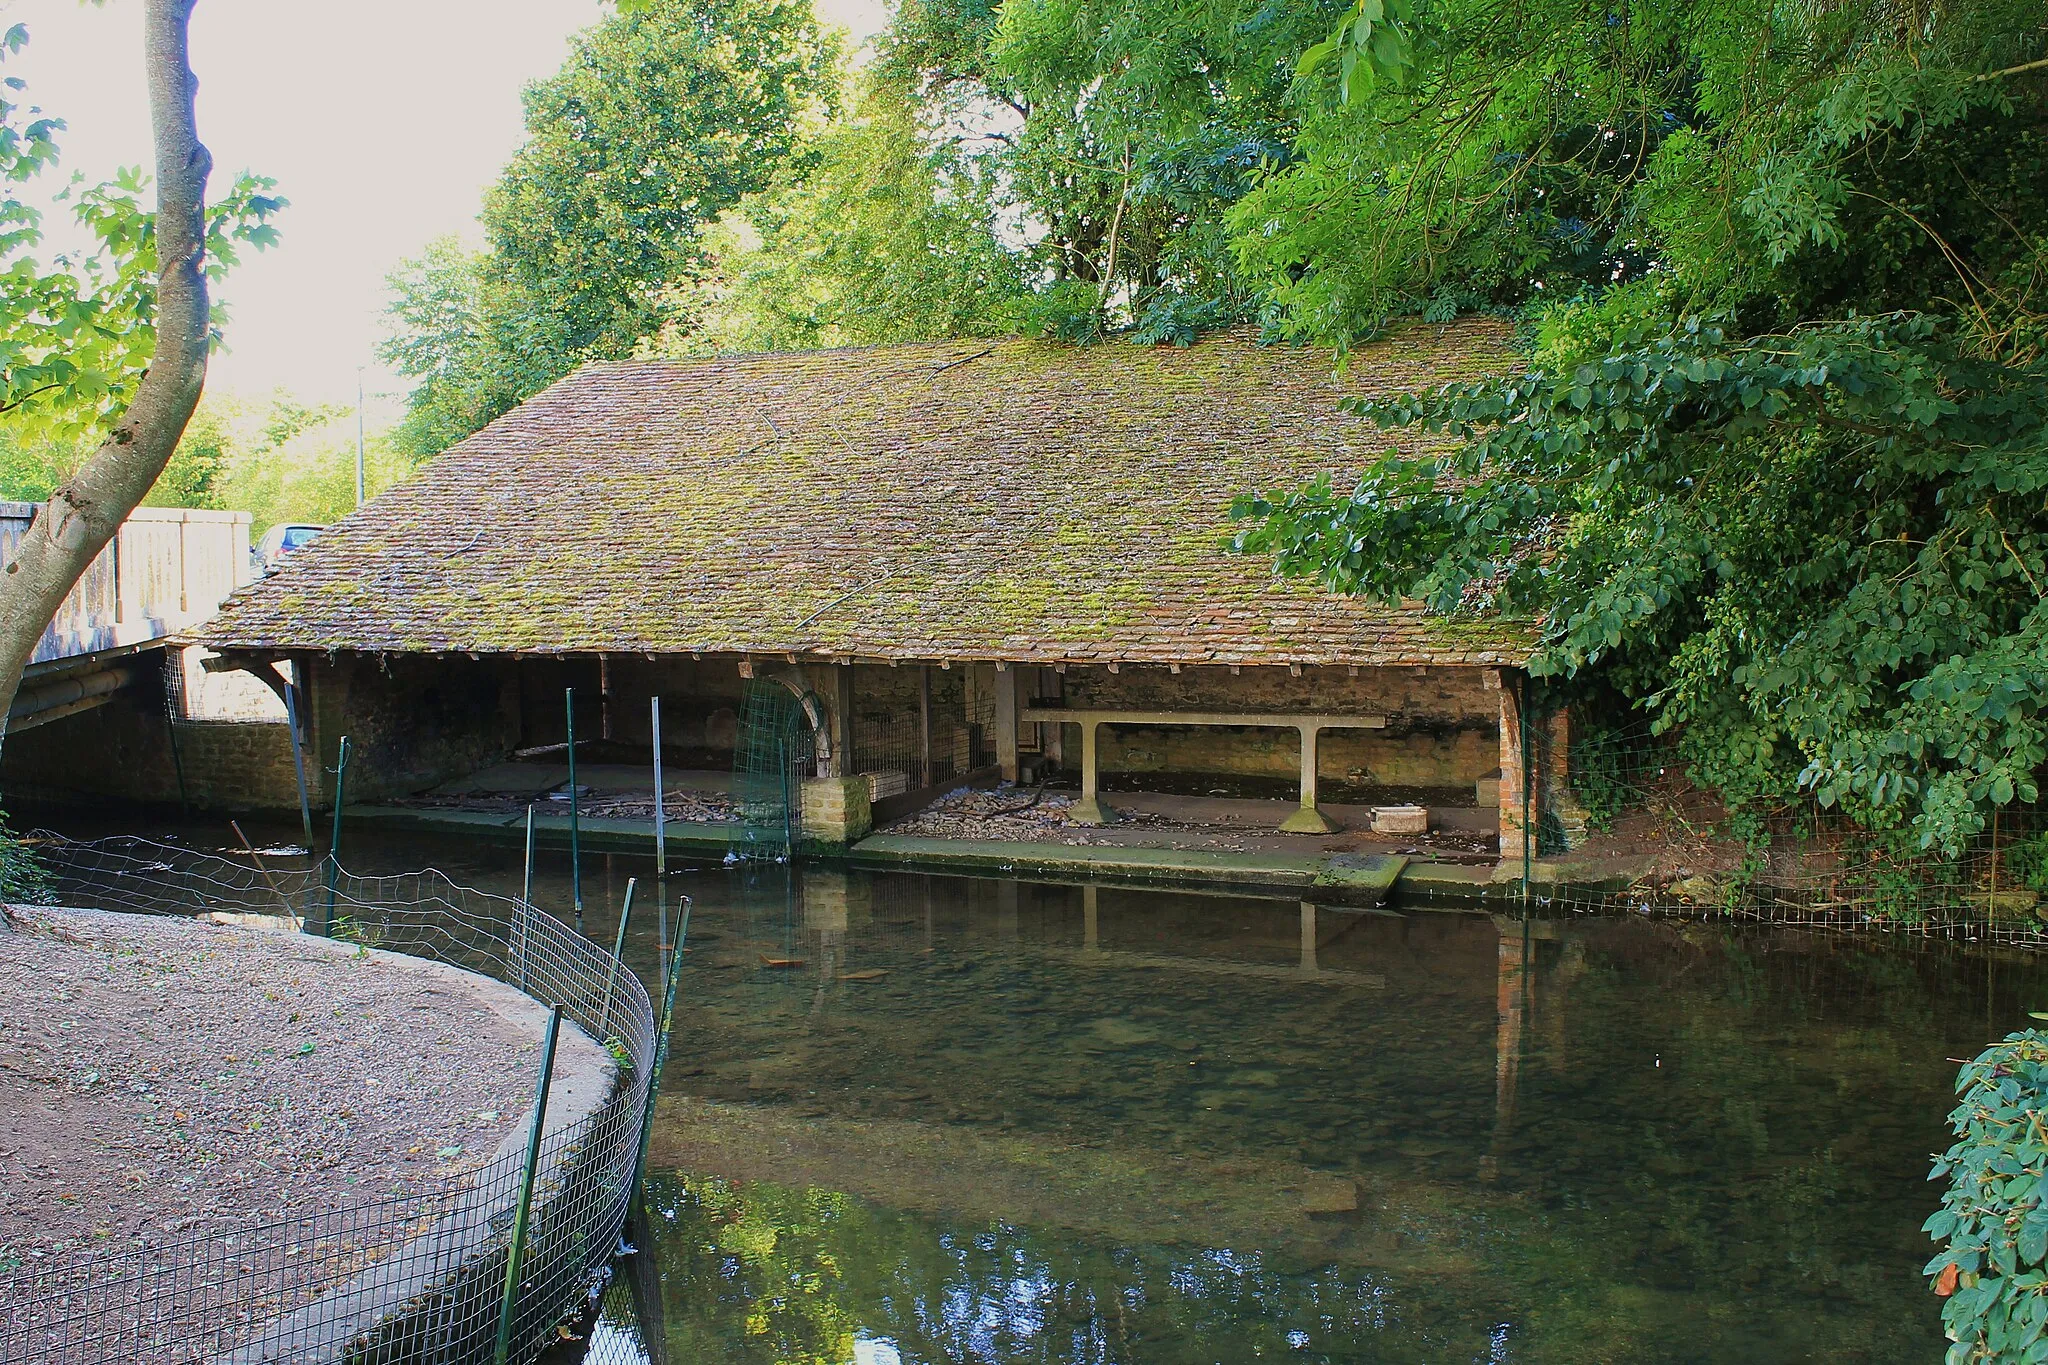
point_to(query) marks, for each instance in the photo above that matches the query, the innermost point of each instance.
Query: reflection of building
(969, 559)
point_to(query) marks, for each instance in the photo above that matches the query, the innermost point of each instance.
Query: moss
(903, 498)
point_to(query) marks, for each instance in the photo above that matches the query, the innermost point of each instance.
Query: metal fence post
(1528, 787)
(291, 717)
(661, 1026)
(575, 846)
(604, 1016)
(525, 899)
(660, 804)
(508, 1304)
(334, 840)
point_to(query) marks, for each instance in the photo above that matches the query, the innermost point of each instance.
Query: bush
(1994, 1271)
(23, 878)
(2028, 861)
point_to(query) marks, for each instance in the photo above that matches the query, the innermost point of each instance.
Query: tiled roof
(955, 500)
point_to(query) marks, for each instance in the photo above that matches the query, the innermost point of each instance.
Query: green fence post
(508, 1304)
(525, 899)
(604, 1016)
(575, 845)
(1528, 788)
(660, 808)
(668, 1010)
(334, 840)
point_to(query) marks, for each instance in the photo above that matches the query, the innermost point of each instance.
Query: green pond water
(983, 1120)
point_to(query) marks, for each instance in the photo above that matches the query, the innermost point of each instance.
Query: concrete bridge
(166, 570)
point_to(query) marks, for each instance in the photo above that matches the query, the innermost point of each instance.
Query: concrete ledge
(1362, 878)
(595, 835)
(1460, 885)
(336, 1325)
(1095, 861)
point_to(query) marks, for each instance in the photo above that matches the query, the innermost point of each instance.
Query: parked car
(280, 541)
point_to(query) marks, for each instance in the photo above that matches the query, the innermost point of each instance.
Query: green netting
(773, 753)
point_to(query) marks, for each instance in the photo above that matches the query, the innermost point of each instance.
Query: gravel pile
(162, 1076)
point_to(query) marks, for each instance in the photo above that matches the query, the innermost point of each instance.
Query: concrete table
(1089, 810)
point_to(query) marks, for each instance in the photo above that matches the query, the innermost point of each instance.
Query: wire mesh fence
(417, 1278)
(1616, 825)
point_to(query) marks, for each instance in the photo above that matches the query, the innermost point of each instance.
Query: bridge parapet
(167, 569)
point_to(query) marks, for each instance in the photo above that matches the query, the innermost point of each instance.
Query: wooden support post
(1006, 722)
(841, 722)
(924, 722)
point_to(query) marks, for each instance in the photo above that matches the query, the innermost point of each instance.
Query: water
(1008, 1121)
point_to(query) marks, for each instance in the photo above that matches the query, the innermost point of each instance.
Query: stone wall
(123, 751)
(413, 722)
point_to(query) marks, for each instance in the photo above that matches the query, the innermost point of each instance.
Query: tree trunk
(82, 516)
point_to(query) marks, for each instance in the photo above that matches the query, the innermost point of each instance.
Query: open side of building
(961, 561)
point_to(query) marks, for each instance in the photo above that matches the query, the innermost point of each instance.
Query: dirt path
(163, 1075)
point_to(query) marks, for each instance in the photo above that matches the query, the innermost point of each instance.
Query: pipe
(34, 701)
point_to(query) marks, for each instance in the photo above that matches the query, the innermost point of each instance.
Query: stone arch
(814, 711)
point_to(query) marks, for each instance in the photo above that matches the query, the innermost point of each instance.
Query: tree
(664, 116)
(118, 337)
(881, 232)
(1777, 469)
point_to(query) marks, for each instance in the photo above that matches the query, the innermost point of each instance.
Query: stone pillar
(1308, 938)
(1006, 722)
(836, 810)
(1308, 820)
(1511, 775)
(1091, 920)
(1089, 810)
(1554, 779)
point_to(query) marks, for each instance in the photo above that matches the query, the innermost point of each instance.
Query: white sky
(383, 121)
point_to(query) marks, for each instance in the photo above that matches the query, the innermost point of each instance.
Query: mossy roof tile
(1016, 500)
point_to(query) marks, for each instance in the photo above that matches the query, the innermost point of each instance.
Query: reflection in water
(982, 1120)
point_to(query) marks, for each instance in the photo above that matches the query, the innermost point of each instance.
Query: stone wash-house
(973, 557)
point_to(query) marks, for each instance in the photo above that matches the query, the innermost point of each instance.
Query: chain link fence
(416, 1278)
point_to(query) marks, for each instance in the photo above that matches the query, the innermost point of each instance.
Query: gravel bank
(163, 1076)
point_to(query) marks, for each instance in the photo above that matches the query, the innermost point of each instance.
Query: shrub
(1993, 1273)
(23, 878)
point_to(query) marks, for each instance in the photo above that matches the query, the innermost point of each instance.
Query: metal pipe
(31, 701)
(525, 899)
(268, 880)
(604, 1016)
(575, 840)
(334, 841)
(291, 717)
(1528, 786)
(668, 1014)
(508, 1302)
(660, 805)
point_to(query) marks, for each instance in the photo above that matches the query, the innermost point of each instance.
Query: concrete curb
(334, 1326)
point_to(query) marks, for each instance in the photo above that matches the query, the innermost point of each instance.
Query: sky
(383, 122)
